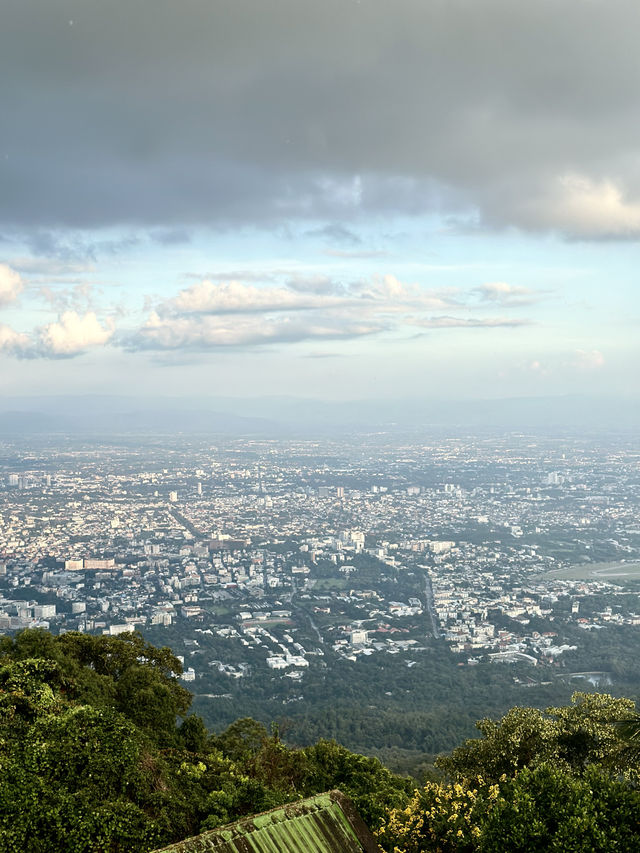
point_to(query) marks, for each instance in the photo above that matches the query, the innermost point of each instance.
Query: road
(428, 594)
(184, 522)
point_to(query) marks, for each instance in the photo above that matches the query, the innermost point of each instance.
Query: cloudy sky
(339, 199)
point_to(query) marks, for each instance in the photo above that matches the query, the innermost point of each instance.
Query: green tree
(547, 810)
(574, 737)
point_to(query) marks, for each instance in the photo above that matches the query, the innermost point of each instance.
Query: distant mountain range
(288, 416)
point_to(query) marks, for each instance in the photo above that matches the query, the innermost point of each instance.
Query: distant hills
(289, 416)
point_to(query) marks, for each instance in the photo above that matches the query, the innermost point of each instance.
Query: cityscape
(280, 562)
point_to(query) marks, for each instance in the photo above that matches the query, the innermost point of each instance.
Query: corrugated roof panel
(327, 823)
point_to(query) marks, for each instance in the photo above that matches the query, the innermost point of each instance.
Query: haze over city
(338, 201)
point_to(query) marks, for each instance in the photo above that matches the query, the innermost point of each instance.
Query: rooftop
(326, 823)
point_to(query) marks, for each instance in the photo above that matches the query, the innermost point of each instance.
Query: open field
(324, 584)
(598, 571)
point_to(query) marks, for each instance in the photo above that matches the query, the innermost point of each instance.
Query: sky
(341, 200)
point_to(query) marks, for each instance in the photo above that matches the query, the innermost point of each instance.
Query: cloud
(171, 236)
(585, 208)
(70, 335)
(73, 334)
(584, 361)
(14, 343)
(388, 293)
(209, 332)
(356, 254)
(507, 294)
(441, 108)
(80, 298)
(306, 293)
(211, 315)
(236, 275)
(11, 285)
(469, 322)
(319, 284)
(587, 360)
(206, 297)
(71, 248)
(337, 233)
(50, 267)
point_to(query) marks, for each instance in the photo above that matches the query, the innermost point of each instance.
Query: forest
(100, 754)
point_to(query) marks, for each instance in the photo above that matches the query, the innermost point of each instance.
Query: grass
(598, 571)
(323, 584)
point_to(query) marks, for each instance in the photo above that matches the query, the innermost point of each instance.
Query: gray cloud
(337, 233)
(320, 284)
(468, 322)
(505, 294)
(165, 115)
(50, 267)
(358, 254)
(171, 236)
(73, 247)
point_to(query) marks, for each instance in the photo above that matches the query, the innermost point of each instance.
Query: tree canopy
(99, 754)
(562, 780)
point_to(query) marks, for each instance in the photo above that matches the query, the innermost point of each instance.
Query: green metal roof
(327, 823)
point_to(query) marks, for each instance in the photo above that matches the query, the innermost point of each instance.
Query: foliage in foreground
(92, 757)
(562, 781)
(98, 755)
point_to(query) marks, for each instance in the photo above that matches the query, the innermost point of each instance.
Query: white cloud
(585, 208)
(10, 285)
(388, 293)
(507, 294)
(211, 332)
(73, 334)
(207, 297)
(70, 335)
(14, 343)
(209, 315)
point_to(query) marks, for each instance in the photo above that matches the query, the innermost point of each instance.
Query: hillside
(99, 753)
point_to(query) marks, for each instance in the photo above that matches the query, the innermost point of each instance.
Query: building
(100, 565)
(358, 638)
